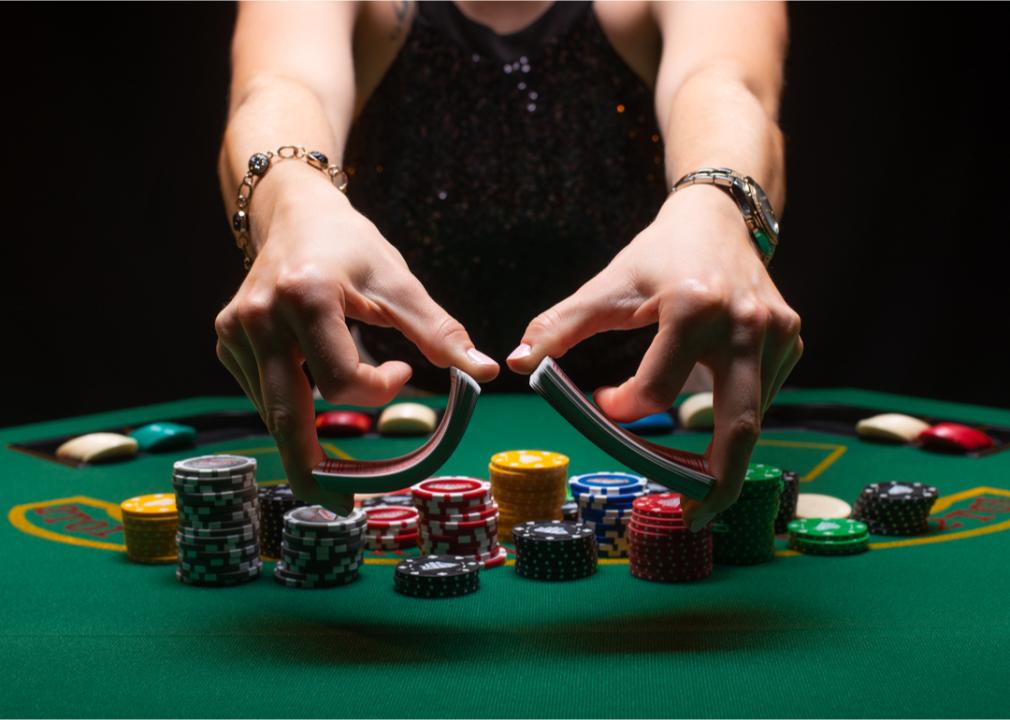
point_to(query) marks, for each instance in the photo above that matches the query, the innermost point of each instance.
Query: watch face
(767, 214)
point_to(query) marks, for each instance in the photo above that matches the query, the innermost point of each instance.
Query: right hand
(320, 262)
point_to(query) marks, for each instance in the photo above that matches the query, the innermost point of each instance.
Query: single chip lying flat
(954, 437)
(891, 427)
(812, 505)
(407, 419)
(164, 436)
(97, 447)
(655, 424)
(695, 413)
(343, 423)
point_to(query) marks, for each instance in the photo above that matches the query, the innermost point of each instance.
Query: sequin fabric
(506, 184)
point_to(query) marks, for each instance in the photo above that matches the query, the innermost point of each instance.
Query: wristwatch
(749, 197)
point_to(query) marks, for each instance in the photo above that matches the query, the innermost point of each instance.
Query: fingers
(231, 364)
(599, 305)
(290, 414)
(737, 390)
(438, 335)
(785, 370)
(654, 387)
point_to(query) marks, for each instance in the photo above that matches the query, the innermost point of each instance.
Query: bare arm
(694, 272)
(318, 262)
(718, 89)
(292, 84)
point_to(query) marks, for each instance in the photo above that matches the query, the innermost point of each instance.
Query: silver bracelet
(259, 164)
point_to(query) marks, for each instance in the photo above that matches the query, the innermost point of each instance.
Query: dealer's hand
(696, 273)
(320, 262)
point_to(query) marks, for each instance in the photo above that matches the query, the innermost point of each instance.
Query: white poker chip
(696, 413)
(97, 447)
(407, 419)
(891, 427)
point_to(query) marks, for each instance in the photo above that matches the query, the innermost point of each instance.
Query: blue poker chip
(608, 483)
(608, 515)
(657, 424)
(605, 502)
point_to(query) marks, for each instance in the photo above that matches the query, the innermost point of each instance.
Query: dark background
(118, 254)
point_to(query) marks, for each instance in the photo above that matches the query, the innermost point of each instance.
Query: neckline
(527, 42)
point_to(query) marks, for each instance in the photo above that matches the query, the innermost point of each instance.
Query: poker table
(917, 626)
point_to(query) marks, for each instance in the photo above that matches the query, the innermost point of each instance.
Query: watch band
(750, 199)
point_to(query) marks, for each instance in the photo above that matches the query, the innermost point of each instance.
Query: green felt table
(915, 627)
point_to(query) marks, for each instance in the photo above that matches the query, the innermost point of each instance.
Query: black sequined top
(508, 170)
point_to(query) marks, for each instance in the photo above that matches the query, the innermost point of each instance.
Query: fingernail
(478, 357)
(701, 522)
(520, 352)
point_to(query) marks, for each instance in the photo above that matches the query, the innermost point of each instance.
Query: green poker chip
(813, 529)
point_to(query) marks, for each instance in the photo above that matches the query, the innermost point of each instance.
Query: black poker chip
(437, 576)
(787, 500)
(896, 508)
(554, 550)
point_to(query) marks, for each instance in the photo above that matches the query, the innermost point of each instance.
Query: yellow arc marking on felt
(836, 452)
(18, 517)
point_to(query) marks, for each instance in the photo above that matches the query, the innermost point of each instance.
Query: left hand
(696, 273)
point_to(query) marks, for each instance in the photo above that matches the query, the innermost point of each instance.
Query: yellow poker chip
(529, 460)
(147, 506)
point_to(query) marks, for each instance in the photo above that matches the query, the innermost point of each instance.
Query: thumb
(601, 304)
(437, 334)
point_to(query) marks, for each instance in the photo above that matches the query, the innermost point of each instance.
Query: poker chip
(744, 534)
(528, 485)
(274, 503)
(149, 527)
(787, 500)
(391, 527)
(605, 503)
(896, 508)
(217, 536)
(828, 536)
(320, 549)
(954, 438)
(458, 517)
(437, 575)
(554, 550)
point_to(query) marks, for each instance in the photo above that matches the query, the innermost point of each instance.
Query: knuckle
(225, 324)
(657, 394)
(786, 323)
(254, 311)
(282, 424)
(750, 314)
(301, 286)
(450, 330)
(746, 427)
(546, 323)
(703, 298)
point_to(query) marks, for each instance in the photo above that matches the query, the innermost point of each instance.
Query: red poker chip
(451, 489)
(442, 528)
(439, 507)
(658, 519)
(495, 560)
(662, 505)
(397, 536)
(481, 513)
(391, 516)
(664, 529)
(343, 423)
(954, 437)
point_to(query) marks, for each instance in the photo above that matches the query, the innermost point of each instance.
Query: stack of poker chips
(605, 502)
(458, 516)
(554, 550)
(828, 536)
(320, 549)
(275, 502)
(218, 522)
(570, 511)
(661, 548)
(437, 576)
(149, 525)
(744, 534)
(391, 528)
(528, 485)
(896, 508)
(787, 500)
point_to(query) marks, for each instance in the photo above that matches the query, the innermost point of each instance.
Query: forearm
(271, 113)
(716, 120)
